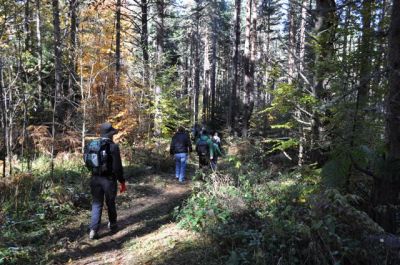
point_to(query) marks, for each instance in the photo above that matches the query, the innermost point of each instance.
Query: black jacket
(180, 143)
(116, 163)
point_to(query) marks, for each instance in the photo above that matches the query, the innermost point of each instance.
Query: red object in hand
(122, 188)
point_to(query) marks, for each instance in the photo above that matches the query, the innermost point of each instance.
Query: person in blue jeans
(180, 148)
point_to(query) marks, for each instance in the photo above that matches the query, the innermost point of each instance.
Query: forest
(305, 95)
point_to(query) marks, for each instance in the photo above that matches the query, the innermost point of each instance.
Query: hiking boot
(112, 227)
(92, 234)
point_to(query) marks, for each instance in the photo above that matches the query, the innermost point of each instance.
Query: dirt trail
(145, 207)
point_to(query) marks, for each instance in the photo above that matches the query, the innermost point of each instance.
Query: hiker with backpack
(203, 149)
(102, 156)
(180, 148)
(216, 151)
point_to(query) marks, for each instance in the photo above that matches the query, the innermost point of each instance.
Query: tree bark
(72, 77)
(292, 43)
(196, 81)
(393, 99)
(3, 116)
(145, 43)
(57, 73)
(249, 63)
(206, 78)
(214, 36)
(324, 30)
(118, 45)
(159, 62)
(302, 36)
(235, 61)
(39, 53)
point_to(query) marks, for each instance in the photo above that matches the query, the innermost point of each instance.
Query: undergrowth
(261, 216)
(35, 207)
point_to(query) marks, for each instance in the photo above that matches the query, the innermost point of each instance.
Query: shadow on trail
(153, 217)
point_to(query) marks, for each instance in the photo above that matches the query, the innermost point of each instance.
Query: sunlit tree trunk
(324, 30)
(159, 62)
(3, 116)
(206, 78)
(144, 42)
(249, 63)
(196, 78)
(39, 53)
(291, 43)
(235, 83)
(214, 36)
(302, 35)
(58, 74)
(72, 77)
(118, 45)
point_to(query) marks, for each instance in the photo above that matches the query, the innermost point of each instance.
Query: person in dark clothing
(104, 185)
(180, 148)
(204, 149)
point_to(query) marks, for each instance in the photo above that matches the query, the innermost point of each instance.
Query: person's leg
(97, 203)
(177, 166)
(110, 188)
(183, 158)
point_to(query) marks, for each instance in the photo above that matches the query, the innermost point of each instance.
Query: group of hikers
(208, 148)
(102, 156)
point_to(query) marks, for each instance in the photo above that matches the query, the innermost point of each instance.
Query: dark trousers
(103, 188)
(204, 161)
(214, 162)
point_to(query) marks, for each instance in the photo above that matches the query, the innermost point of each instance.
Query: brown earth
(146, 207)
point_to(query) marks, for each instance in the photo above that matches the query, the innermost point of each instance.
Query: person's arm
(172, 146)
(117, 169)
(211, 148)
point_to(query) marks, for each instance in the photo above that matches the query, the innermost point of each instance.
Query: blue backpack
(97, 157)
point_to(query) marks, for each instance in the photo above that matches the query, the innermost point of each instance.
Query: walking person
(103, 158)
(180, 148)
(214, 154)
(203, 148)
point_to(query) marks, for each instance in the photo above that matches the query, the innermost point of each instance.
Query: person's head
(215, 134)
(181, 129)
(204, 132)
(107, 131)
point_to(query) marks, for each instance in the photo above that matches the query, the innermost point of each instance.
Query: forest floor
(147, 233)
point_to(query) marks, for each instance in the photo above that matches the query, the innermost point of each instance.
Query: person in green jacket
(204, 149)
(214, 154)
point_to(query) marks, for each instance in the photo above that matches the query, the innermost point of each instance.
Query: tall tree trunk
(324, 30)
(213, 57)
(302, 36)
(246, 66)
(58, 75)
(145, 43)
(3, 116)
(393, 99)
(159, 62)
(206, 78)
(235, 84)
(365, 68)
(249, 63)
(387, 185)
(72, 77)
(27, 30)
(196, 81)
(39, 53)
(118, 45)
(292, 43)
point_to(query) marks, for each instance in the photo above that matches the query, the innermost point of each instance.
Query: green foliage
(202, 211)
(35, 207)
(282, 218)
(173, 104)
